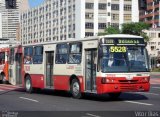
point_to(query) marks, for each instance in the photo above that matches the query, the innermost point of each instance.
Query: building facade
(10, 17)
(149, 12)
(153, 45)
(56, 20)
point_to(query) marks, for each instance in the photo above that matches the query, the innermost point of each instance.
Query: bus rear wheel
(114, 95)
(28, 85)
(75, 89)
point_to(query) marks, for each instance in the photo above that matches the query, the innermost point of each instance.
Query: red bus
(109, 64)
(4, 52)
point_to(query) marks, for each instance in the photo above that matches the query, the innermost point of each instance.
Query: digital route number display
(117, 49)
(116, 41)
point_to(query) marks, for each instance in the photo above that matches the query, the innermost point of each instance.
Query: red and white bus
(4, 52)
(109, 64)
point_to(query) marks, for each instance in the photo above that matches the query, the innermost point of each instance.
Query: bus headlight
(107, 80)
(146, 79)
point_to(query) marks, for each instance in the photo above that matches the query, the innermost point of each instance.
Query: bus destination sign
(128, 41)
(124, 41)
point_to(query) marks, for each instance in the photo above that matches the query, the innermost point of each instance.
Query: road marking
(155, 87)
(6, 87)
(10, 85)
(89, 114)
(147, 104)
(147, 93)
(29, 99)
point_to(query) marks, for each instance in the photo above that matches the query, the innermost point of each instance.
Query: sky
(34, 3)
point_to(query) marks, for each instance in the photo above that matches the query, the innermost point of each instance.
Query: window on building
(75, 53)
(102, 6)
(89, 5)
(127, 7)
(38, 55)
(61, 53)
(115, 16)
(152, 47)
(127, 17)
(109, 4)
(101, 25)
(116, 25)
(114, 6)
(109, 13)
(159, 35)
(89, 15)
(89, 25)
(87, 34)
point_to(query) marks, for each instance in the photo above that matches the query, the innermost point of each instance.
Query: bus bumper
(113, 88)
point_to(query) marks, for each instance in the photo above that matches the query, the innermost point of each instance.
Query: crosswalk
(7, 87)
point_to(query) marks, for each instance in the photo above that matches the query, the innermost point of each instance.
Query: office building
(10, 17)
(56, 20)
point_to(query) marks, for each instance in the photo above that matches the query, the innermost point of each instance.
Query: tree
(135, 29)
(110, 30)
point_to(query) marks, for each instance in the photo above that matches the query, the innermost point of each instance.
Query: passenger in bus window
(28, 60)
(111, 60)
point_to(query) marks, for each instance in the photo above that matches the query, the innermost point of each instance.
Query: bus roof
(121, 36)
(87, 39)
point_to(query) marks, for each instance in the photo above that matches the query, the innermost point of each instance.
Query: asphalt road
(60, 103)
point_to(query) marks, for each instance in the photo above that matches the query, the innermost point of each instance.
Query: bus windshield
(124, 59)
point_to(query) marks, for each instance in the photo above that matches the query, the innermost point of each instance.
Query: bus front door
(90, 70)
(18, 58)
(49, 69)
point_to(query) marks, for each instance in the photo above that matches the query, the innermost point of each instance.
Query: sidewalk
(155, 73)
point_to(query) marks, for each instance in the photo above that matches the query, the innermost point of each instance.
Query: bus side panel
(81, 83)
(99, 85)
(61, 82)
(37, 80)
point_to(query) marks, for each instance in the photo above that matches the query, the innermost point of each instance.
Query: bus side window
(61, 53)
(11, 56)
(2, 57)
(28, 54)
(38, 55)
(75, 53)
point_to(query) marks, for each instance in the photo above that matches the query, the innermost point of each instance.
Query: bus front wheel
(75, 89)
(28, 85)
(114, 95)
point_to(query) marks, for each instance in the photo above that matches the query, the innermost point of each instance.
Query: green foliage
(134, 28)
(110, 30)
